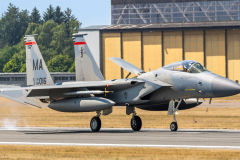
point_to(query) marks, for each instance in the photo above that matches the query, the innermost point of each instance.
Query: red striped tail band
(30, 43)
(79, 43)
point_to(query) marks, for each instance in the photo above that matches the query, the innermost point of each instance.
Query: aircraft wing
(75, 85)
(157, 82)
(126, 65)
(36, 91)
(58, 91)
(152, 85)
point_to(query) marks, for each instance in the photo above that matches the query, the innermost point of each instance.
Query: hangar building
(20, 79)
(154, 33)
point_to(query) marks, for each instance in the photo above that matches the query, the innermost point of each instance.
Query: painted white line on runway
(119, 145)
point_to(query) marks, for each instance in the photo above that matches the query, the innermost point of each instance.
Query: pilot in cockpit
(186, 66)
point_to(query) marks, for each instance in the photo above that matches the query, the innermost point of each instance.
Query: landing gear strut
(95, 123)
(136, 122)
(173, 111)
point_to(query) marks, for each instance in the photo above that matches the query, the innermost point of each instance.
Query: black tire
(95, 124)
(173, 126)
(136, 123)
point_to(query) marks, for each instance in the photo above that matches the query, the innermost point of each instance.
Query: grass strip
(112, 153)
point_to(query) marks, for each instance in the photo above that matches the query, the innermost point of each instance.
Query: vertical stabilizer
(85, 66)
(37, 72)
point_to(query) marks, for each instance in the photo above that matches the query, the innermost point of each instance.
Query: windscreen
(186, 66)
(182, 66)
(198, 68)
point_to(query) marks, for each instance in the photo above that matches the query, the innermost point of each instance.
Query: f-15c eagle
(173, 87)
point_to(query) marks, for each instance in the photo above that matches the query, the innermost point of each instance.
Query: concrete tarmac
(122, 137)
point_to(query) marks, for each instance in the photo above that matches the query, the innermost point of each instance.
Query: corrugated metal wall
(152, 50)
(193, 46)
(144, 49)
(131, 43)
(172, 47)
(215, 51)
(233, 50)
(111, 48)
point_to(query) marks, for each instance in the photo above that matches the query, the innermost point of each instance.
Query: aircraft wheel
(95, 124)
(174, 126)
(136, 123)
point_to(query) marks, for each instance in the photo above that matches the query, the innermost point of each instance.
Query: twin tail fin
(85, 66)
(37, 71)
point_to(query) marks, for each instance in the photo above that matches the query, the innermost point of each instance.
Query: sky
(89, 12)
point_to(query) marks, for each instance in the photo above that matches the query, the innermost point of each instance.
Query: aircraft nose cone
(222, 87)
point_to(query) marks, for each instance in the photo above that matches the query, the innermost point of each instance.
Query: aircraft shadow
(73, 132)
(119, 131)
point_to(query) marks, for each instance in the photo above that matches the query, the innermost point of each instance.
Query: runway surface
(122, 137)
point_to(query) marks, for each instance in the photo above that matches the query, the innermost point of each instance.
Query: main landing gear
(95, 122)
(136, 122)
(173, 111)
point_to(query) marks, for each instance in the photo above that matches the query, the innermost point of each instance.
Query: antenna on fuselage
(128, 75)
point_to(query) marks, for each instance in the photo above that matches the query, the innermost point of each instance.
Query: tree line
(54, 28)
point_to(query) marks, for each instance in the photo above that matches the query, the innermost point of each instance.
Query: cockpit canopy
(186, 66)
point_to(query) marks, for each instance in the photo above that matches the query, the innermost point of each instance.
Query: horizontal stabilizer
(126, 65)
(19, 96)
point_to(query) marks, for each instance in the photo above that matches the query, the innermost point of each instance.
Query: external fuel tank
(81, 104)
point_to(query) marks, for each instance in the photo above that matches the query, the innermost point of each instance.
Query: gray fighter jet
(174, 87)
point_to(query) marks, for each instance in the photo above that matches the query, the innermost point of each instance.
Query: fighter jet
(173, 87)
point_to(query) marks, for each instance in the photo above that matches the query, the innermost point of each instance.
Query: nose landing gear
(174, 125)
(173, 111)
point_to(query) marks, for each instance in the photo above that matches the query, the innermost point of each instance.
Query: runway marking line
(119, 145)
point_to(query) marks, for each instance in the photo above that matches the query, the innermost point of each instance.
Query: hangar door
(131, 44)
(193, 46)
(172, 46)
(215, 51)
(111, 43)
(152, 50)
(233, 50)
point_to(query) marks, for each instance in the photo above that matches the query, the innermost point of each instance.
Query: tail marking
(30, 43)
(79, 43)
